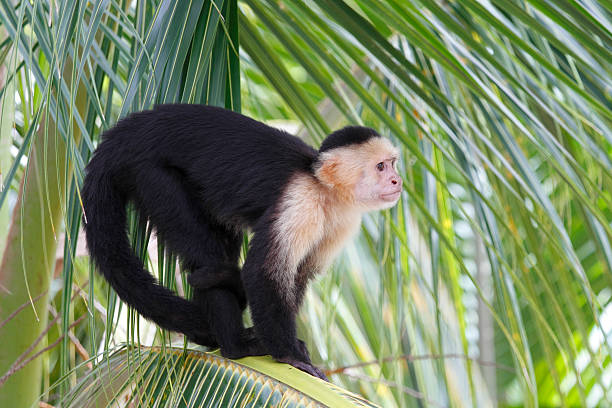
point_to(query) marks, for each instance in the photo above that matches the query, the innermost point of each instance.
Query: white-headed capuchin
(201, 175)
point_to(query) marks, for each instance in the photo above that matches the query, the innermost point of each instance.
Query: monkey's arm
(269, 276)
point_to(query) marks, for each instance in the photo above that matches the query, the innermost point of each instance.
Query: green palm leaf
(173, 377)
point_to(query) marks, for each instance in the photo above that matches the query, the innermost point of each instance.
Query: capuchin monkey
(201, 175)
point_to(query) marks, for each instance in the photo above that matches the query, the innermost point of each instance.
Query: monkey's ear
(327, 169)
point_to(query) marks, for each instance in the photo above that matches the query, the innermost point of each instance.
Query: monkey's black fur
(200, 175)
(350, 135)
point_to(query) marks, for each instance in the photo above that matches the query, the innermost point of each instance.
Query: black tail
(105, 229)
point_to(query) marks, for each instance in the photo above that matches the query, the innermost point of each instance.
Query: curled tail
(107, 241)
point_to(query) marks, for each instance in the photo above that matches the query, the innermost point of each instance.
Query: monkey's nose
(396, 181)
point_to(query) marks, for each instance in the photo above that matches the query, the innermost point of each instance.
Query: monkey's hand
(250, 337)
(306, 367)
(304, 350)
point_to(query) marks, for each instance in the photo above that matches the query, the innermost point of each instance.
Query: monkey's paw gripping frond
(175, 377)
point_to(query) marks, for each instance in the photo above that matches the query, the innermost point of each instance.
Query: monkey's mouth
(392, 196)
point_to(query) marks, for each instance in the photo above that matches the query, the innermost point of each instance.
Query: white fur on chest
(311, 227)
(341, 225)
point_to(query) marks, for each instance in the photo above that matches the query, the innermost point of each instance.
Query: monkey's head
(361, 166)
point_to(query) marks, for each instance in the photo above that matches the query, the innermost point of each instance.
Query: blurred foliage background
(489, 284)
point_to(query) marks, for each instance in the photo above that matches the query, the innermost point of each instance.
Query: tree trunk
(28, 263)
(29, 255)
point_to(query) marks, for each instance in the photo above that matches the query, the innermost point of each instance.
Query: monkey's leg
(203, 280)
(211, 287)
(225, 276)
(164, 198)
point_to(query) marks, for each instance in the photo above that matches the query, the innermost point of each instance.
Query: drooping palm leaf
(174, 377)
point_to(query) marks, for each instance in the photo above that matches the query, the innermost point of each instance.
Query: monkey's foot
(243, 350)
(306, 367)
(203, 339)
(247, 345)
(248, 334)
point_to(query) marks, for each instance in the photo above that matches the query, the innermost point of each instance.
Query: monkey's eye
(380, 166)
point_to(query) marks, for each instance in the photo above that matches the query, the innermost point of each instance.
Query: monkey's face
(365, 174)
(379, 186)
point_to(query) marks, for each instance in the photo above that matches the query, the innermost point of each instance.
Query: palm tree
(489, 283)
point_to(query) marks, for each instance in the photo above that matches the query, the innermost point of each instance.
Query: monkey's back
(235, 166)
